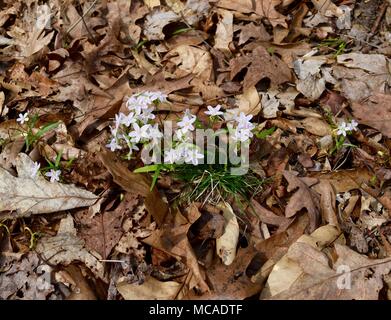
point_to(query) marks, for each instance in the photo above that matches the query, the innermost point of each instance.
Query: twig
(382, 10)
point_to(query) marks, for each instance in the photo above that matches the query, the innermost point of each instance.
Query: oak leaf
(24, 195)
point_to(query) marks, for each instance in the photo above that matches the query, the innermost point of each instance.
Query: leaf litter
(305, 83)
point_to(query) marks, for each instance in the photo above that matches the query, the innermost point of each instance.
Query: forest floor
(302, 86)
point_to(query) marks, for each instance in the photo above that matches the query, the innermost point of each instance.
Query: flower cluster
(346, 128)
(53, 174)
(182, 149)
(241, 127)
(136, 127)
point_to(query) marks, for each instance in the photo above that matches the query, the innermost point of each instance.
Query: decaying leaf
(23, 195)
(66, 247)
(361, 278)
(227, 243)
(24, 279)
(103, 231)
(311, 83)
(224, 31)
(151, 289)
(135, 183)
(31, 38)
(172, 238)
(375, 112)
(260, 65)
(303, 197)
(287, 271)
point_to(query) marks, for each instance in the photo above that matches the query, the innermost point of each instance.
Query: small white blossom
(146, 115)
(35, 169)
(353, 125)
(171, 156)
(182, 135)
(343, 128)
(156, 96)
(213, 112)
(113, 145)
(54, 175)
(129, 119)
(23, 118)
(244, 121)
(139, 133)
(154, 133)
(242, 135)
(193, 155)
(186, 124)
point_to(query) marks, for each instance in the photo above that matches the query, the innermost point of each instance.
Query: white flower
(35, 169)
(119, 118)
(154, 133)
(182, 135)
(114, 131)
(23, 118)
(343, 129)
(146, 115)
(242, 135)
(113, 145)
(186, 124)
(353, 125)
(244, 121)
(214, 111)
(128, 120)
(54, 175)
(156, 96)
(139, 133)
(192, 156)
(170, 156)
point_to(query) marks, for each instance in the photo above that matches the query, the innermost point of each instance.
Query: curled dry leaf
(150, 289)
(286, 272)
(192, 12)
(249, 101)
(231, 282)
(311, 83)
(362, 278)
(263, 8)
(172, 239)
(227, 243)
(135, 183)
(303, 197)
(224, 30)
(191, 60)
(23, 196)
(327, 8)
(260, 65)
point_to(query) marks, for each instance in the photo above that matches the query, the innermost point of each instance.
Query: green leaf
(155, 177)
(182, 30)
(150, 168)
(265, 133)
(46, 128)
